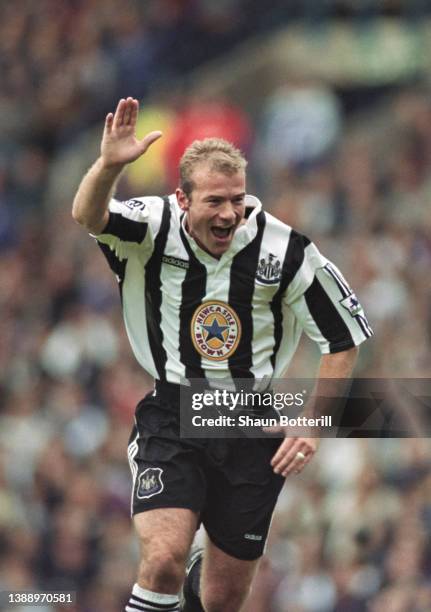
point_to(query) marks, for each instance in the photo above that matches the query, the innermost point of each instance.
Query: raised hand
(119, 143)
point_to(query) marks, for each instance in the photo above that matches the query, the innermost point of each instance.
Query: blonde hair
(221, 154)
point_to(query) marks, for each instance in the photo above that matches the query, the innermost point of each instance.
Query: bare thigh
(165, 536)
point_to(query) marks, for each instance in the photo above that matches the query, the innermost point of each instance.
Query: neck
(196, 239)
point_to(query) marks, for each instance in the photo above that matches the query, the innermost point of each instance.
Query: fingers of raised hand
(126, 113)
(108, 122)
(119, 144)
(130, 111)
(119, 113)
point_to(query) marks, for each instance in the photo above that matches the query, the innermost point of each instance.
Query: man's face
(215, 208)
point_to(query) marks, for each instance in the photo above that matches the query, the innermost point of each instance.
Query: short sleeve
(325, 305)
(130, 232)
(132, 226)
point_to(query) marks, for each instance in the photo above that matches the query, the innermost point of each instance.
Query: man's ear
(182, 199)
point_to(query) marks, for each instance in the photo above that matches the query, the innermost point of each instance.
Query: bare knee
(226, 580)
(165, 536)
(162, 571)
(218, 598)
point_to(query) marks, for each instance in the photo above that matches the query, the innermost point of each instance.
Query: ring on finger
(300, 455)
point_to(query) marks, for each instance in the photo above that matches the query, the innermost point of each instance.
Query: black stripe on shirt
(117, 265)
(342, 286)
(327, 318)
(363, 324)
(293, 260)
(125, 229)
(241, 290)
(193, 291)
(153, 293)
(345, 291)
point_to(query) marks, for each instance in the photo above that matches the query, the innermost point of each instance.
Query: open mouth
(222, 232)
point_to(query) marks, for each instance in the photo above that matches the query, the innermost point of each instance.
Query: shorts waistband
(172, 392)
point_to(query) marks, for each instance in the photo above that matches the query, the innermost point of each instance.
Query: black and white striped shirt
(189, 315)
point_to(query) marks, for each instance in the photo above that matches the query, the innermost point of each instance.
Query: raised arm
(118, 148)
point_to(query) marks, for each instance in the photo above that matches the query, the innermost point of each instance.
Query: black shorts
(229, 482)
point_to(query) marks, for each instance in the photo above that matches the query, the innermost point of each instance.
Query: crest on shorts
(215, 330)
(269, 270)
(150, 483)
(351, 303)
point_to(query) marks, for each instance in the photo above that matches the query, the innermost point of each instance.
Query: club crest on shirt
(269, 270)
(351, 303)
(215, 330)
(150, 483)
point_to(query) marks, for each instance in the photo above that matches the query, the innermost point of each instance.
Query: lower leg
(165, 537)
(191, 589)
(225, 581)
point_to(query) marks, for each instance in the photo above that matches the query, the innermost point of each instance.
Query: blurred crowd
(353, 533)
(64, 63)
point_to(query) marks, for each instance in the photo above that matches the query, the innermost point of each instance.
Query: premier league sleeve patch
(351, 303)
(149, 483)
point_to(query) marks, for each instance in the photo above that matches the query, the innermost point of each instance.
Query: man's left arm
(331, 315)
(287, 460)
